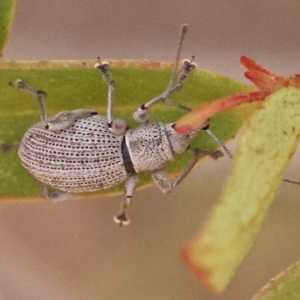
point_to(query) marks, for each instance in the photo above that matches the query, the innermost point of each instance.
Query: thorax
(149, 147)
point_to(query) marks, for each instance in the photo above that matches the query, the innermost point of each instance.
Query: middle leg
(117, 126)
(130, 185)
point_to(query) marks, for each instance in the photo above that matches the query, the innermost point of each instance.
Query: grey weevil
(81, 151)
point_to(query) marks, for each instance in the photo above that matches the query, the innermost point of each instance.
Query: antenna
(184, 29)
(220, 143)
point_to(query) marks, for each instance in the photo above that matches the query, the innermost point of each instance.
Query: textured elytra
(83, 157)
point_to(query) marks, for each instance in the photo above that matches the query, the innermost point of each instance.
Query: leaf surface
(285, 286)
(262, 155)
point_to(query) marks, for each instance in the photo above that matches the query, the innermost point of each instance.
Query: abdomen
(83, 158)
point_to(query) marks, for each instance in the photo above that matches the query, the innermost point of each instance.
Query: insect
(81, 151)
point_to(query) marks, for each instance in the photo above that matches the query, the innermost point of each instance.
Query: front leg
(130, 185)
(198, 153)
(141, 114)
(161, 178)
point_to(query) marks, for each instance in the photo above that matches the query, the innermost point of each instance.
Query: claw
(19, 84)
(121, 219)
(189, 64)
(101, 65)
(217, 154)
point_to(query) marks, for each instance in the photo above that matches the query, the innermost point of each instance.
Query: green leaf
(285, 286)
(76, 84)
(7, 8)
(262, 154)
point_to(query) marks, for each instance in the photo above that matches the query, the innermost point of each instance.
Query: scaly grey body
(87, 157)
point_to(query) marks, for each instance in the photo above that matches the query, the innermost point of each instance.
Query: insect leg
(117, 126)
(65, 119)
(61, 120)
(41, 96)
(141, 114)
(130, 184)
(56, 196)
(197, 154)
(161, 179)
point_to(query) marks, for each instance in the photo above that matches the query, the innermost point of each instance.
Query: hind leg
(55, 196)
(60, 121)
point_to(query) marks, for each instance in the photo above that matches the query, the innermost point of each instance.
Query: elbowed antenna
(226, 150)
(205, 127)
(184, 29)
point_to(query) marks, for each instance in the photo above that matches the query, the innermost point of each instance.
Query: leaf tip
(199, 270)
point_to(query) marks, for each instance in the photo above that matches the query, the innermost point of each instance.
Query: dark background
(72, 250)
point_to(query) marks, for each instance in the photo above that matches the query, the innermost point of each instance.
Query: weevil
(81, 151)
